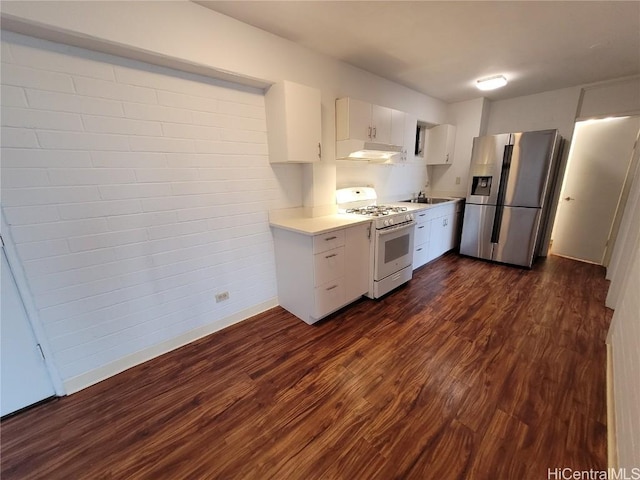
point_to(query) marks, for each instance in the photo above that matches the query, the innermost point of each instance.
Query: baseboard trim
(612, 443)
(80, 382)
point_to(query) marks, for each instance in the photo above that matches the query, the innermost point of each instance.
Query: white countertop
(319, 225)
(327, 223)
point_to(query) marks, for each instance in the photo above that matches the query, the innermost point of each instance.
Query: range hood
(366, 151)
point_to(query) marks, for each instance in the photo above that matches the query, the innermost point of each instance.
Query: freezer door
(516, 236)
(485, 168)
(476, 230)
(530, 167)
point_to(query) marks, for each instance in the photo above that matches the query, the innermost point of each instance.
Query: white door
(598, 160)
(24, 376)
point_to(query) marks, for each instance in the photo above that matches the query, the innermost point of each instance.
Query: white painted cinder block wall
(134, 194)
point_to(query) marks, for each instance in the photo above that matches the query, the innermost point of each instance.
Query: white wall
(121, 180)
(134, 194)
(542, 111)
(624, 335)
(468, 119)
(624, 332)
(620, 97)
(392, 182)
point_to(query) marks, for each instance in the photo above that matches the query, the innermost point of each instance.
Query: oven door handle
(389, 231)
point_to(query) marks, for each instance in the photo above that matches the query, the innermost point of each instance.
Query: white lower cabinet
(318, 274)
(436, 232)
(421, 239)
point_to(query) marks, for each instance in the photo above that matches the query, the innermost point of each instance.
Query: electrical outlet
(457, 180)
(221, 297)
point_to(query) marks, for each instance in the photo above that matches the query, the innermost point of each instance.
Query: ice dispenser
(481, 186)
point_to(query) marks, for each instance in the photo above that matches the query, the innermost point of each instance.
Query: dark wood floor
(472, 370)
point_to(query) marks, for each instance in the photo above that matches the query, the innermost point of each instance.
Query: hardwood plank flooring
(471, 371)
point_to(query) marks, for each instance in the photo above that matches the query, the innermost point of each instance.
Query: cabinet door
(449, 237)
(304, 123)
(381, 122)
(294, 128)
(359, 114)
(357, 260)
(440, 145)
(450, 143)
(410, 134)
(442, 238)
(436, 238)
(398, 128)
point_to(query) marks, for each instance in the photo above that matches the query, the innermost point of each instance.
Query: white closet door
(24, 376)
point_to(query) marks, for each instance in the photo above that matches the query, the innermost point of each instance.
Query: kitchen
(88, 352)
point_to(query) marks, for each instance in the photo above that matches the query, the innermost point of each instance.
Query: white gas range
(392, 245)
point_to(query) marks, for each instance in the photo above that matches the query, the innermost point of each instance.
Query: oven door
(393, 250)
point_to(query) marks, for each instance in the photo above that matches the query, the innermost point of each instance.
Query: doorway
(597, 169)
(24, 375)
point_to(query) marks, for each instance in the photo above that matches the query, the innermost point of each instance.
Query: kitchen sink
(429, 200)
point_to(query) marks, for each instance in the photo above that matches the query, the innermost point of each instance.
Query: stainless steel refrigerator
(511, 180)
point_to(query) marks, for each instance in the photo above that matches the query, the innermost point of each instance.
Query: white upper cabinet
(294, 128)
(358, 120)
(440, 145)
(398, 130)
(353, 119)
(381, 124)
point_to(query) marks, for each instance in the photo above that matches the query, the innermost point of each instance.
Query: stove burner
(376, 210)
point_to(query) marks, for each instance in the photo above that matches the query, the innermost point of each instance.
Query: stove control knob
(386, 223)
(391, 221)
(408, 217)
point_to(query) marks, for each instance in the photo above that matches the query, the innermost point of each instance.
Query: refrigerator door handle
(502, 189)
(497, 221)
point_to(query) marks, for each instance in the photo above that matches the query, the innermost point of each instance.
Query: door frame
(32, 313)
(622, 199)
(624, 191)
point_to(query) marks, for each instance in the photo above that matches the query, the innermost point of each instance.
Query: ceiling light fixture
(491, 83)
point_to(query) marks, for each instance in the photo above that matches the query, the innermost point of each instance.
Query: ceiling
(442, 48)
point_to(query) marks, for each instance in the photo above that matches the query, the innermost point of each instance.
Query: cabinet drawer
(422, 216)
(448, 209)
(422, 233)
(329, 297)
(420, 255)
(328, 241)
(427, 214)
(328, 265)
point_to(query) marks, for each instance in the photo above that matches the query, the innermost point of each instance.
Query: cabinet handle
(447, 159)
(374, 132)
(369, 135)
(332, 255)
(319, 150)
(421, 214)
(331, 288)
(418, 249)
(421, 226)
(330, 238)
